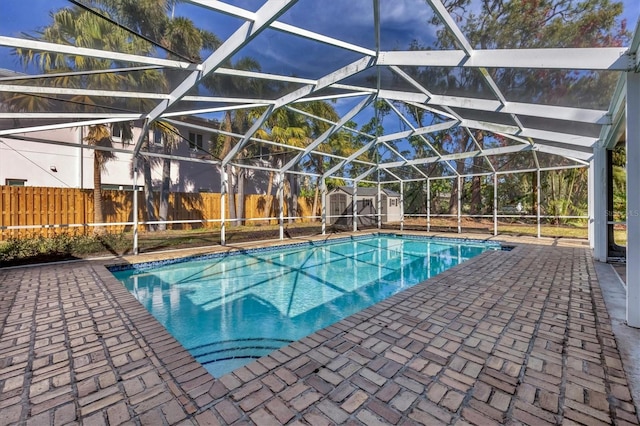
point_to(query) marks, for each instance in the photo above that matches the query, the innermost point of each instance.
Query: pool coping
(224, 251)
(196, 388)
(167, 258)
(150, 265)
(235, 396)
(303, 381)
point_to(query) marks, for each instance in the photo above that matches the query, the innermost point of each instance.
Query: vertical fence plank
(20, 219)
(28, 206)
(5, 210)
(78, 208)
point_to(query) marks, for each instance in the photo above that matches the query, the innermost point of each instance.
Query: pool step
(250, 348)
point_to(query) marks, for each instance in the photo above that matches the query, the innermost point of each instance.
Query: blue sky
(279, 53)
(350, 20)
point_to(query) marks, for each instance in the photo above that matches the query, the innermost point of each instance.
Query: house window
(195, 141)
(15, 182)
(116, 133)
(393, 202)
(158, 137)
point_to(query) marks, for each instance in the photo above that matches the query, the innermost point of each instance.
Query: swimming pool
(229, 309)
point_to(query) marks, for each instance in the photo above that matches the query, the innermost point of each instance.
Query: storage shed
(340, 202)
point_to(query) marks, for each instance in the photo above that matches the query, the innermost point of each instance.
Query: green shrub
(62, 246)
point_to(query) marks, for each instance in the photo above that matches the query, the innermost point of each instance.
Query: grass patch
(20, 251)
(29, 250)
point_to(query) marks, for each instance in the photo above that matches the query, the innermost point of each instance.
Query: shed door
(338, 207)
(384, 207)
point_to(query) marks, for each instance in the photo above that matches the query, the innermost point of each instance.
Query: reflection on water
(229, 310)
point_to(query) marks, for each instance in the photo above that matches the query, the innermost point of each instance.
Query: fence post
(428, 205)
(354, 203)
(281, 205)
(402, 205)
(459, 203)
(223, 192)
(538, 200)
(495, 204)
(135, 204)
(379, 204)
(323, 200)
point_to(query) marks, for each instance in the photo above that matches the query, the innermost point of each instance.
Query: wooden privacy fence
(49, 211)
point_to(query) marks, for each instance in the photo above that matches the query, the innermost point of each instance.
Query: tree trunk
(476, 195)
(163, 210)
(98, 213)
(476, 181)
(148, 194)
(231, 191)
(314, 210)
(231, 196)
(240, 198)
(316, 196)
(554, 198)
(453, 199)
(268, 208)
(292, 199)
(287, 197)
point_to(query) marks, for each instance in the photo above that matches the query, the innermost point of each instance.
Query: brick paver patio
(519, 337)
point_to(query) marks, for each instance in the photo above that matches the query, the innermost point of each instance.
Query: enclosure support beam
(633, 199)
(590, 204)
(281, 205)
(223, 193)
(600, 204)
(538, 201)
(80, 159)
(135, 204)
(495, 204)
(379, 205)
(428, 205)
(459, 204)
(323, 189)
(269, 12)
(401, 205)
(354, 203)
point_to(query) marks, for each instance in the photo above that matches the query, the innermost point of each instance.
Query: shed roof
(367, 191)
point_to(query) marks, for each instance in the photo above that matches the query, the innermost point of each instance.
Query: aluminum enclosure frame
(578, 148)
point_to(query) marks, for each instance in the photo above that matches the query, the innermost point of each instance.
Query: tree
(619, 158)
(564, 193)
(99, 135)
(180, 34)
(78, 27)
(170, 138)
(512, 24)
(288, 128)
(299, 130)
(181, 39)
(237, 121)
(314, 128)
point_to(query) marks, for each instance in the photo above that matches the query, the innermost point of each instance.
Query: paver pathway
(520, 337)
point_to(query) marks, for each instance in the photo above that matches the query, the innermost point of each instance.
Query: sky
(349, 20)
(279, 53)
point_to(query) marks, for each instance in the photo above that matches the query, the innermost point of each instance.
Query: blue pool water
(228, 310)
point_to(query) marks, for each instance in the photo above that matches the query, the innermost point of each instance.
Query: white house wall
(43, 164)
(51, 165)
